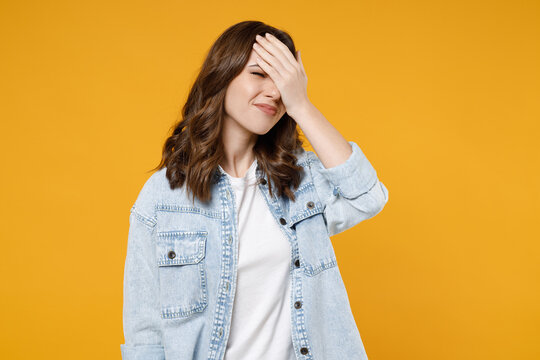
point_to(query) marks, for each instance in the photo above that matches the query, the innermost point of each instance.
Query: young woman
(229, 253)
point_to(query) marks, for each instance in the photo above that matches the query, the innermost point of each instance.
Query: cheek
(236, 98)
(239, 88)
(250, 91)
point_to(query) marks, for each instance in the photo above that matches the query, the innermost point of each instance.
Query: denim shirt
(180, 268)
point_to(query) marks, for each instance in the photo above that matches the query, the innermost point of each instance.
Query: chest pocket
(308, 221)
(182, 272)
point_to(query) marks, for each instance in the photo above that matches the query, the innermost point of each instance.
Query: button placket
(309, 206)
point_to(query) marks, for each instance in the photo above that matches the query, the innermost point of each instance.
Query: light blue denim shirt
(180, 269)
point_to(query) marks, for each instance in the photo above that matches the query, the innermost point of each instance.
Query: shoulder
(303, 157)
(306, 158)
(150, 193)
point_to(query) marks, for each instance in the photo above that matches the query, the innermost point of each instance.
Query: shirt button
(297, 263)
(230, 239)
(262, 181)
(227, 286)
(282, 221)
(310, 205)
(298, 304)
(228, 195)
(304, 351)
(171, 254)
(335, 191)
(220, 332)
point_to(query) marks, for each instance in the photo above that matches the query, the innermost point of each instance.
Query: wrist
(301, 111)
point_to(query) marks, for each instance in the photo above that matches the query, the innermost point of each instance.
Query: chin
(261, 132)
(262, 129)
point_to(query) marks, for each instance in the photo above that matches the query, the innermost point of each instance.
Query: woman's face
(253, 86)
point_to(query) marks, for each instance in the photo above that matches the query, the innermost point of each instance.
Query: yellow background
(442, 97)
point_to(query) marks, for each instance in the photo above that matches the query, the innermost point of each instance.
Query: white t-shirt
(261, 318)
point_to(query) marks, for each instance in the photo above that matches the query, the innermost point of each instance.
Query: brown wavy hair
(194, 150)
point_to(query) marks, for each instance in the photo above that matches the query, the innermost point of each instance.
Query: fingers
(300, 62)
(267, 68)
(269, 59)
(282, 47)
(271, 50)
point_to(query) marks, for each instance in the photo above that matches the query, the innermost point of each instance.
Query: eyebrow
(254, 65)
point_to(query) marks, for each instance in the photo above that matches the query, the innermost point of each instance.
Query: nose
(271, 90)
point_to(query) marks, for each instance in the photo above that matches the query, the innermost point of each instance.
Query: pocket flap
(306, 204)
(302, 214)
(180, 247)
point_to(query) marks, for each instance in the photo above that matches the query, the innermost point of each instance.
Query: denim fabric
(180, 268)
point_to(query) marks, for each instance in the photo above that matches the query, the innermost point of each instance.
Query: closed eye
(256, 73)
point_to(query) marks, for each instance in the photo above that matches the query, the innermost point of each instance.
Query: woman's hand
(288, 74)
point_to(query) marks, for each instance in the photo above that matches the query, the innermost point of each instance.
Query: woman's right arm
(141, 317)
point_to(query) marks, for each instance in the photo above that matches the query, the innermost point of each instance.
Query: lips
(269, 109)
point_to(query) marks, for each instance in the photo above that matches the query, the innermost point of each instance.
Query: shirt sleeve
(351, 192)
(141, 317)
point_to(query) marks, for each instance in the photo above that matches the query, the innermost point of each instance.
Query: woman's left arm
(344, 179)
(329, 145)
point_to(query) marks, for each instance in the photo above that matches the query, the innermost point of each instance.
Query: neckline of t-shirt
(250, 174)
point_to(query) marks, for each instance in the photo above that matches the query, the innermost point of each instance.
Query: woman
(229, 253)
